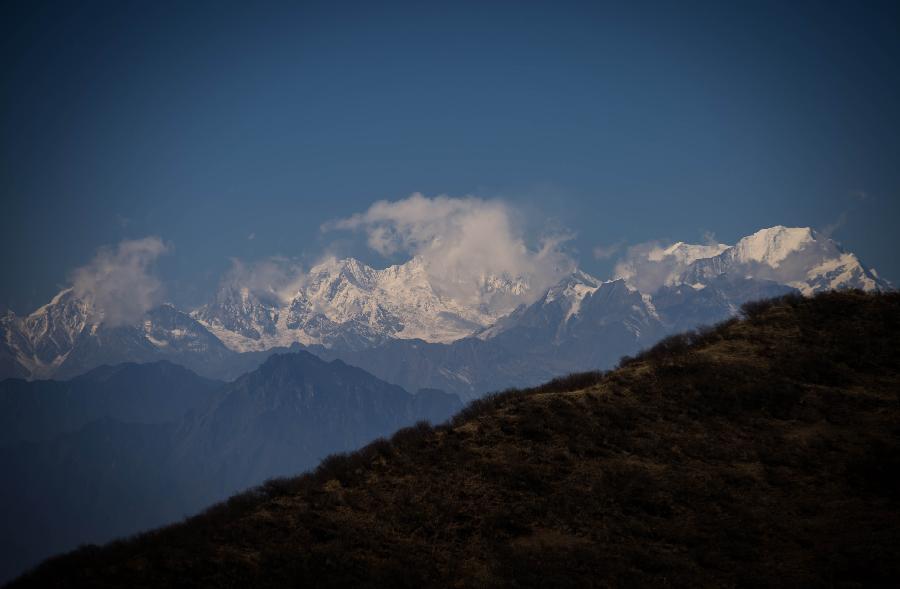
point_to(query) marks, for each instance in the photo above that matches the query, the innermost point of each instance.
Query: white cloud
(119, 283)
(604, 252)
(272, 280)
(829, 230)
(645, 266)
(648, 266)
(464, 242)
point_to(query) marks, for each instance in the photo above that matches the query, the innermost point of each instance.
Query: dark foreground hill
(763, 452)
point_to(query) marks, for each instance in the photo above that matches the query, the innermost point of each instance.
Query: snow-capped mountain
(560, 303)
(41, 342)
(795, 256)
(347, 304)
(700, 283)
(667, 264)
(581, 324)
(66, 337)
(580, 318)
(410, 328)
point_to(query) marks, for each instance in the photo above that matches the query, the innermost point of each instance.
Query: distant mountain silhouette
(124, 448)
(140, 393)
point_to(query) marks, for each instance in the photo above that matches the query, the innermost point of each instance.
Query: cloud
(605, 252)
(645, 266)
(272, 280)
(466, 244)
(653, 264)
(829, 230)
(119, 284)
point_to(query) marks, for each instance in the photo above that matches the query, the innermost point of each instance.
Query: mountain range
(760, 452)
(403, 326)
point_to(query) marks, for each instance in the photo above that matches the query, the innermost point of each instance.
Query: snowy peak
(334, 274)
(561, 304)
(41, 341)
(237, 309)
(664, 266)
(578, 309)
(571, 291)
(345, 303)
(685, 253)
(67, 336)
(843, 271)
(772, 246)
(798, 257)
(491, 283)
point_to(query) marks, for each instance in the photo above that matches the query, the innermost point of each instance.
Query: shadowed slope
(761, 452)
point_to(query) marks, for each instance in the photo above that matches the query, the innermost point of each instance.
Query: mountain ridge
(119, 450)
(345, 308)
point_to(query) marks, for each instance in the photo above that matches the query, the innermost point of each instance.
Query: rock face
(402, 325)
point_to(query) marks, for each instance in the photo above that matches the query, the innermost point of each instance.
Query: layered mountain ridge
(760, 452)
(402, 325)
(127, 447)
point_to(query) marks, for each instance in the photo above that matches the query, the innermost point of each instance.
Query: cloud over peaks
(272, 280)
(119, 282)
(465, 243)
(651, 265)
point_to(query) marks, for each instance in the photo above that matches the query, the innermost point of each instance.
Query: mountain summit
(66, 337)
(798, 257)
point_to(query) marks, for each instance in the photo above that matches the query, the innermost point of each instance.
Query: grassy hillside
(765, 451)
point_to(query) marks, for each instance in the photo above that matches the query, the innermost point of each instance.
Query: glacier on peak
(346, 303)
(773, 245)
(687, 252)
(796, 256)
(67, 336)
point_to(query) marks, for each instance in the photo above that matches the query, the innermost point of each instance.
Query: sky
(212, 132)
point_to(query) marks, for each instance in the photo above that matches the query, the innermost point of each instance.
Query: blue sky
(208, 123)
